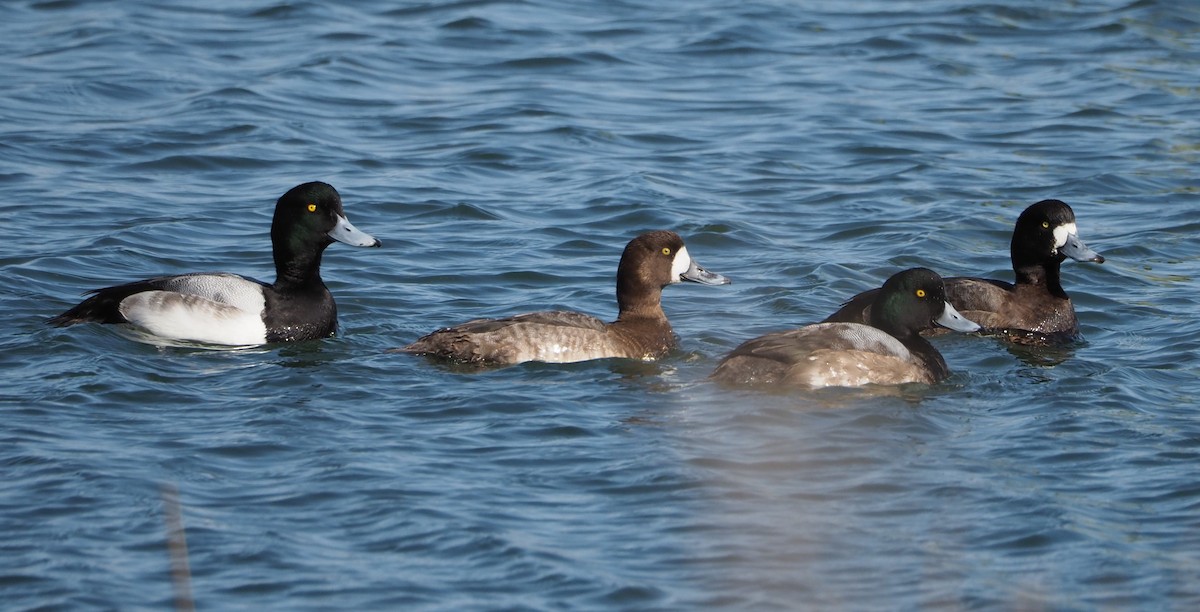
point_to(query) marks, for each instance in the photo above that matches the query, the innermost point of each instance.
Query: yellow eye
(1046, 224)
(312, 208)
(920, 293)
(666, 250)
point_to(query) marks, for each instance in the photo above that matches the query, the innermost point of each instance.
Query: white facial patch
(1061, 232)
(680, 264)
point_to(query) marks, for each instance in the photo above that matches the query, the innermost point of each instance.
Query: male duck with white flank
(225, 309)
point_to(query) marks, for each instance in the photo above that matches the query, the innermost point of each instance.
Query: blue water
(505, 151)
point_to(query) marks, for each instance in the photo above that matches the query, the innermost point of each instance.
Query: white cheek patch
(1061, 232)
(680, 264)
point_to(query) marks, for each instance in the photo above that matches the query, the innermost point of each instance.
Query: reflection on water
(1043, 355)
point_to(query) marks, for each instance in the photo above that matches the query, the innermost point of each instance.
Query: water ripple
(505, 152)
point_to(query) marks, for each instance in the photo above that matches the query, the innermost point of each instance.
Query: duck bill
(696, 274)
(952, 319)
(1077, 250)
(346, 233)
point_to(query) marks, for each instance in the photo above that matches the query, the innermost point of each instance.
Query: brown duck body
(829, 355)
(558, 336)
(887, 351)
(649, 263)
(1035, 309)
(995, 305)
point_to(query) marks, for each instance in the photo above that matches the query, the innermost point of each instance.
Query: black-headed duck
(1035, 309)
(890, 350)
(225, 309)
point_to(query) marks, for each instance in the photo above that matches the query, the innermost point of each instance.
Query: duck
(1033, 310)
(888, 351)
(641, 331)
(230, 310)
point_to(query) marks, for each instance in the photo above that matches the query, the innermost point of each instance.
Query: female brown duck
(650, 262)
(1035, 309)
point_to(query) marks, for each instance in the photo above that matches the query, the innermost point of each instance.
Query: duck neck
(639, 300)
(1040, 274)
(641, 322)
(297, 266)
(907, 332)
(927, 353)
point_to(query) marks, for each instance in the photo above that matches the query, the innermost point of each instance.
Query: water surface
(505, 151)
